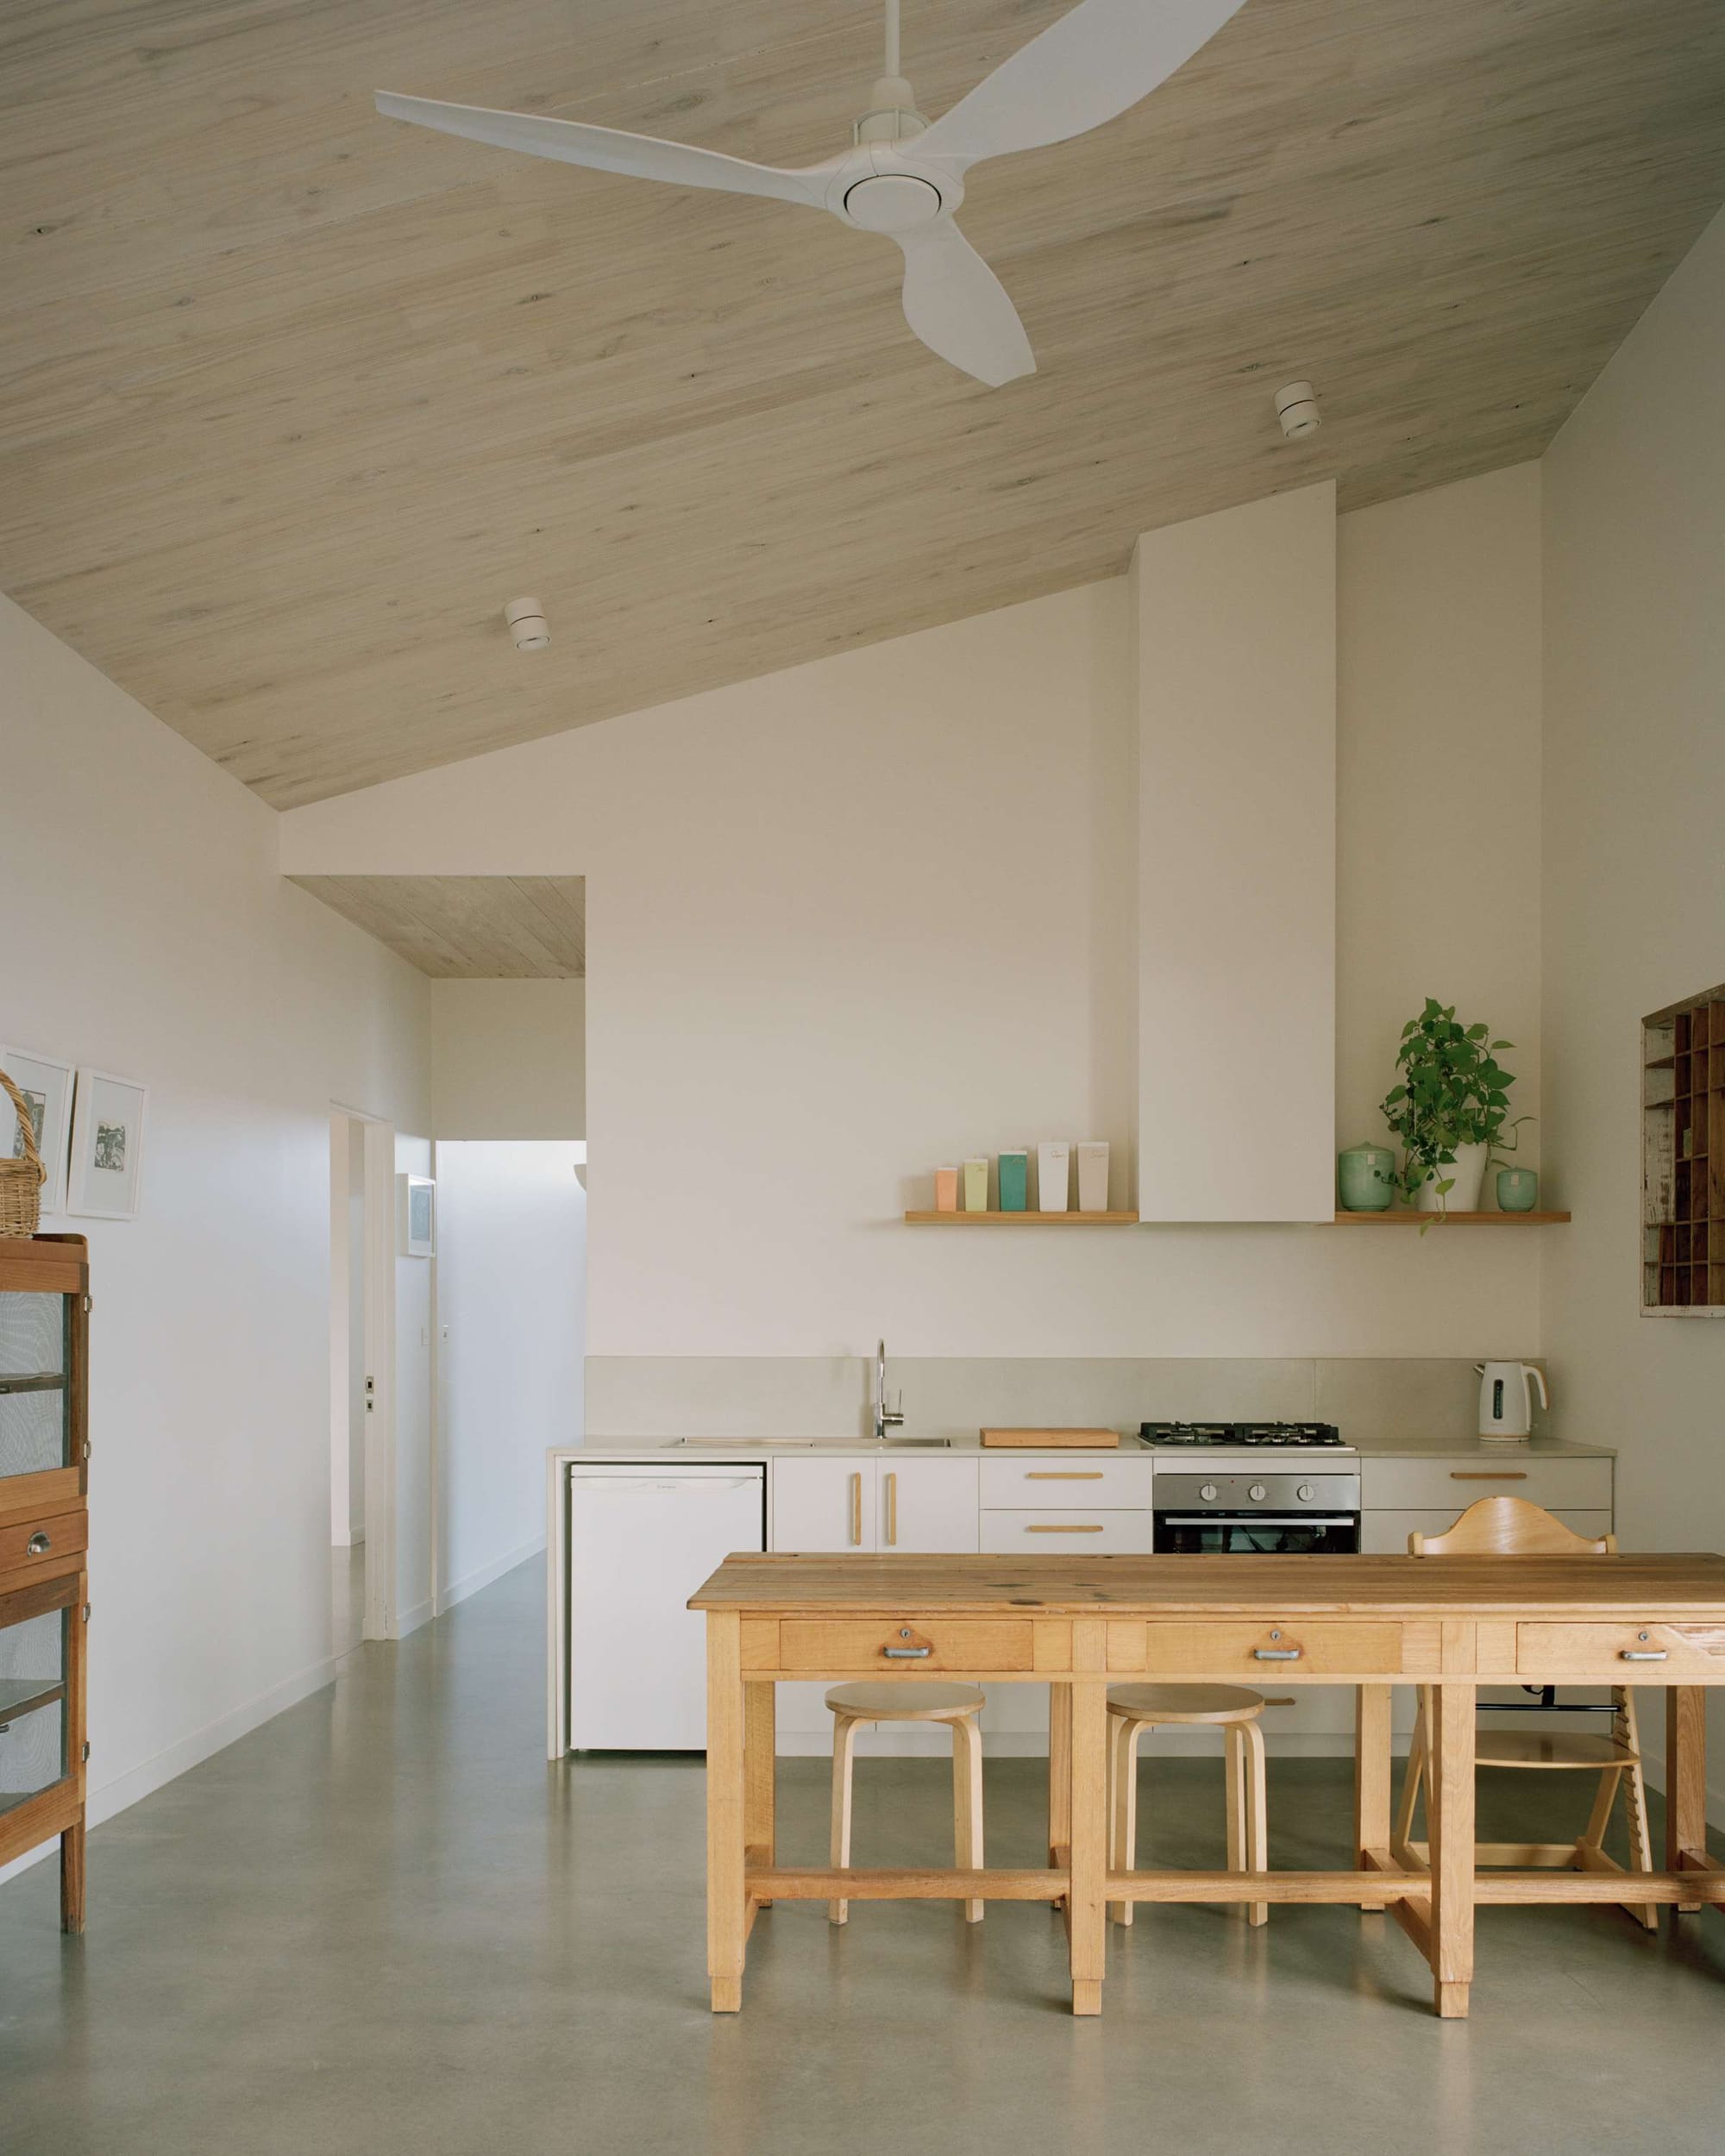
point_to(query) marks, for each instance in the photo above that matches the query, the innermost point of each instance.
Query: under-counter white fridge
(642, 1539)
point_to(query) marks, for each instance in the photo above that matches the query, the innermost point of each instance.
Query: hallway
(382, 1923)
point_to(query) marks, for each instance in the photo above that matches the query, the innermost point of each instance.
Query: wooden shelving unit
(1021, 1219)
(1409, 1219)
(1683, 1158)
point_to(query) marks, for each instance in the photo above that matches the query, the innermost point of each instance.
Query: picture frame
(418, 1209)
(46, 1083)
(105, 1166)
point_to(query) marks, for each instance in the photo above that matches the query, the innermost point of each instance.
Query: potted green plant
(1450, 1109)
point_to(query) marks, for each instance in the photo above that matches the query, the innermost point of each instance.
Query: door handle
(1277, 1654)
(1062, 1475)
(1088, 1529)
(906, 1654)
(856, 1508)
(892, 1510)
(1497, 1474)
(38, 1546)
(1642, 1654)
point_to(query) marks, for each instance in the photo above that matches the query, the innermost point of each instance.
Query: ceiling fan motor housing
(892, 115)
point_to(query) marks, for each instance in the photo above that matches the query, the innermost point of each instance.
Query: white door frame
(381, 1614)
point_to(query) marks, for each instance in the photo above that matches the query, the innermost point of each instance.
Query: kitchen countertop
(1428, 1446)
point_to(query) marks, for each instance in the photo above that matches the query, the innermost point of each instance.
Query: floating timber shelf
(1410, 1218)
(1021, 1219)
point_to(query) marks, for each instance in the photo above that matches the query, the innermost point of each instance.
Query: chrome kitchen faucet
(886, 1418)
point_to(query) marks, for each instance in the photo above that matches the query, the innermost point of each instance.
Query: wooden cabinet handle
(1062, 1475)
(856, 1508)
(892, 1512)
(1495, 1474)
(1087, 1528)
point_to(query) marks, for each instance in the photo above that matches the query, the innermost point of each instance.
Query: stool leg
(1412, 1777)
(1117, 1800)
(1234, 1765)
(844, 1729)
(967, 1802)
(1257, 1814)
(1131, 1733)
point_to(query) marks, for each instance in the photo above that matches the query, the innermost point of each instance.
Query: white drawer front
(1048, 1532)
(1079, 1479)
(1453, 1483)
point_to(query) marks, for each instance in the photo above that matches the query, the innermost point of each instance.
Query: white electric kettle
(1505, 1408)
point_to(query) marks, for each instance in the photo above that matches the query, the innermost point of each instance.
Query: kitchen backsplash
(768, 1396)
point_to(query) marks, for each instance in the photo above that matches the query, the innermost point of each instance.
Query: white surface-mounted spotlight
(526, 620)
(1297, 408)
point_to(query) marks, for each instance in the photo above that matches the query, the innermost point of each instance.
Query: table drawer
(1665, 1654)
(1265, 1654)
(883, 1645)
(1049, 1532)
(1452, 1482)
(1065, 1480)
(25, 1543)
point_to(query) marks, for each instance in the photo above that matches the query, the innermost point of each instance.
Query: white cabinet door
(823, 1504)
(927, 1505)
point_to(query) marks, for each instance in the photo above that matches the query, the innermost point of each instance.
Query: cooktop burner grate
(1305, 1435)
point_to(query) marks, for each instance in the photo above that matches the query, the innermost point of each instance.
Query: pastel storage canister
(1093, 1174)
(1365, 1177)
(946, 1190)
(1014, 1181)
(976, 1186)
(1518, 1189)
(1053, 1175)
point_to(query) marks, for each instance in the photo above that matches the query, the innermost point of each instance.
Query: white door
(927, 1505)
(824, 1504)
(640, 1544)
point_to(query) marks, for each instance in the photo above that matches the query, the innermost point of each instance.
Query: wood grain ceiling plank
(467, 928)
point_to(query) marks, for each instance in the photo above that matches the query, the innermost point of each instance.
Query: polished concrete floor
(382, 1924)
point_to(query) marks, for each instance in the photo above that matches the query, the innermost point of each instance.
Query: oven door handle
(1257, 1520)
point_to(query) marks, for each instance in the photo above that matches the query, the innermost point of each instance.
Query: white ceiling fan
(904, 176)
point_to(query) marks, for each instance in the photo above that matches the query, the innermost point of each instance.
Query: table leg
(1452, 1829)
(1088, 1818)
(760, 1740)
(1371, 1776)
(72, 1878)
(1686, 1776)
(726, 1913)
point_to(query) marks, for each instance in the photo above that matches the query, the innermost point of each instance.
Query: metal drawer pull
(38, 1546)
(1062, 1475)
(906, 1654)
(856, 1508)
(1642, 1654)
(1500, 1475)
(1095, 1528)
(1275, 1654)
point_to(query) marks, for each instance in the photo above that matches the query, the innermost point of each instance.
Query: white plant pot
(1466, 1173)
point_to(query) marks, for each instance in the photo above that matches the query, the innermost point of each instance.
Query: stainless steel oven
(1235, 1512)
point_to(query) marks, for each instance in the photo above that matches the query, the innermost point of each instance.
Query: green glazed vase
(1518, 1189)
(1365, 1176)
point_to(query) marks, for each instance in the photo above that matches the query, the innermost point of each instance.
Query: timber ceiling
(468, 928)
(295, 398)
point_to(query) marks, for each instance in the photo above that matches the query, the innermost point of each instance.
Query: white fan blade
(1096, 62)
(959, 308)
(606, 149)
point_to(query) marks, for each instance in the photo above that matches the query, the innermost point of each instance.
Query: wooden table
(1077, 1624)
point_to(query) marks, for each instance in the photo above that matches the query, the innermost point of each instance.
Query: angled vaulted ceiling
(468, 928)
(295, 398)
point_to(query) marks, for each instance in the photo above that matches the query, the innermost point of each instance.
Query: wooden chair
(1510, 1526)
(854, 1707)
(1133, 1708)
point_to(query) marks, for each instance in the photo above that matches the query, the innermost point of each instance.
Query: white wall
(509, 1059)
(149, 932)
(864, 916)
(511, 1292)
(1634, 884)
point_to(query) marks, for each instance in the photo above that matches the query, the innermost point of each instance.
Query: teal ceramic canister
(1365, 1176)
(1014, 1181)
(1518, 1189)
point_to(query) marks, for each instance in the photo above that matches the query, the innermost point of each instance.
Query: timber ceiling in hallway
(295, 397)
(468, 928)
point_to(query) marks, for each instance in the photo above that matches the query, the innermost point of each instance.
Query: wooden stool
(854, 1705)
(1510, 1526)
(1133, 1708)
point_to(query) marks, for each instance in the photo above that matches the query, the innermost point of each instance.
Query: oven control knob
(1255, 1493)
(1209, 1493)
(1306, 1493)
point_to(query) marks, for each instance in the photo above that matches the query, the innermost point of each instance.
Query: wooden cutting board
(1044, 1440)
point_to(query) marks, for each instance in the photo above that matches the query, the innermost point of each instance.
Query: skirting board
(486, 1573)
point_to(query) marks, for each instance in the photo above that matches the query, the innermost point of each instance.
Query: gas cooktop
(1303, 1437)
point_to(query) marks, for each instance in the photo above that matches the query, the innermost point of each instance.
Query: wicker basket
(20, 1180)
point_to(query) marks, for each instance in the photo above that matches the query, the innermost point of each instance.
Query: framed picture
(418, 1216)
(45, 1084)
(107, 1168)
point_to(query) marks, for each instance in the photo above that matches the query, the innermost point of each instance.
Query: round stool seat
(905, 1702)
(1185, 1702)
(1533, 1748)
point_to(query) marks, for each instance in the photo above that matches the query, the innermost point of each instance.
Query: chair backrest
(1510, 1527)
